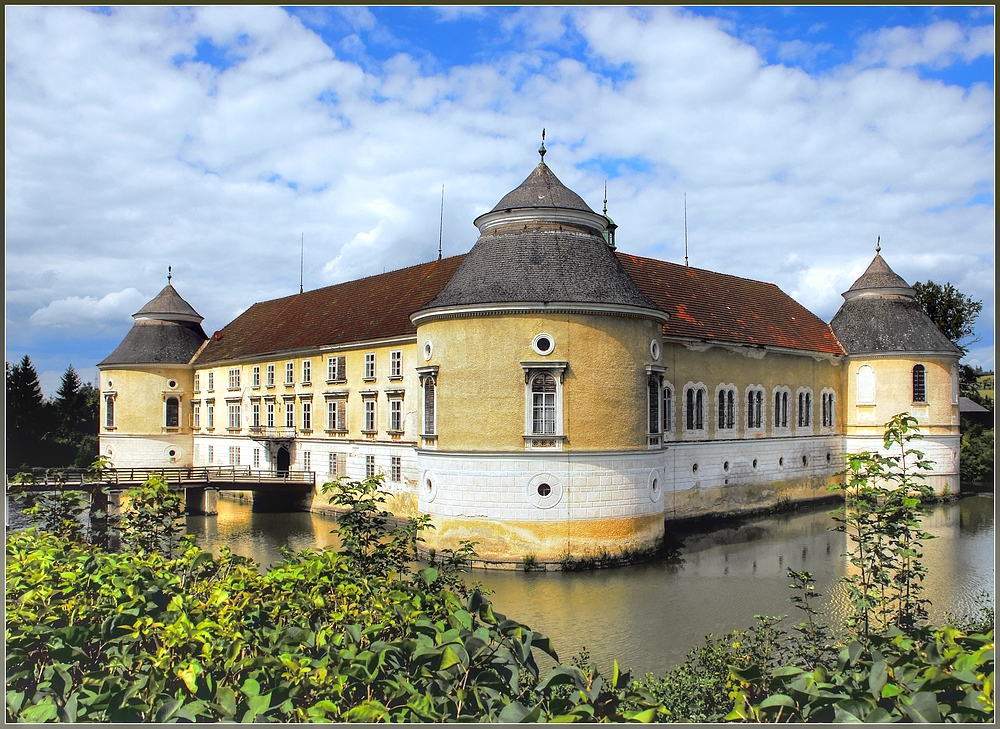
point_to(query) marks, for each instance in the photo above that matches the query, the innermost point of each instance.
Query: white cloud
(121, 161)
(75, 312)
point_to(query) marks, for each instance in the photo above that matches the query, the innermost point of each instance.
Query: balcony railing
(265, 433)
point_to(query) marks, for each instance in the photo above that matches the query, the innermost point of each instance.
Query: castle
(544, 394)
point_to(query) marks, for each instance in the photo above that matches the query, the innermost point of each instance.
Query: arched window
(668, 408)
(654, 403)
(781, 409)
(695, 408)
(173, 411)
(919, 383)
(866, 385)
(543, 404)
(755, 409)
(805, 409)
(430, 393)
(109, 411)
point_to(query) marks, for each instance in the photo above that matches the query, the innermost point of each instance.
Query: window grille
(919, 383)
(653, 385)
(668, 408)
(543, 404)
(430, 393)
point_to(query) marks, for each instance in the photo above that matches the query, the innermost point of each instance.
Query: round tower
(147, 384)
(898, 361)
(535, 367)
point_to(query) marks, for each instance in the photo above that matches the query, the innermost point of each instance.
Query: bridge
(200, 484)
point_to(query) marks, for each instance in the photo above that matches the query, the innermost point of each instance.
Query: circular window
(428, 350)
(171, 453)
(110, 383)
(654, 349)
(694, 468)
(543, 344)
(544, 491)
(171, 383)
(428, 489)
(725, 466)
(653, 486)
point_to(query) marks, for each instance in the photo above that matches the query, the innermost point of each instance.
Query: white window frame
(210, 416)
(369, 367)
(695, 421)
(307, 372)
(196, 416)
(828, 404)
(211, 455)
(803, 409)
(289, 413)
(370, 421)
(306, 460)
(396, 364)
(865, 383)
(234, 455)
(781, 422)
(256, 458)
(211, 381)
(336, 414)
(729, 412)
(255, 414)
(667, 405)
(370, 466)
(396, 414)
(395, 469)
(270, 376)
(269, 410)
(109, 410)
(234, 378)
(307, 415)
(428, 405)
(336, 369)
(235, 421)
(289, 373)
(754, 396)
(255, 377)
(197, 382)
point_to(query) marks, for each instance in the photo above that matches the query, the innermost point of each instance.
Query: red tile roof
(711, 306)
(376, 307)
(703, 305)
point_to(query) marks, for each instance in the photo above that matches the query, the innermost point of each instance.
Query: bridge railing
(70, 477)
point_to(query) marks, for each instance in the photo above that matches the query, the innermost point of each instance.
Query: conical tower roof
(880, 314)
(542, 189)
(168, 306)
(542, 244)
(167, 330)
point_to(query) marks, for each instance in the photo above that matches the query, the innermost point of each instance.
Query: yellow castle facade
(545, 394)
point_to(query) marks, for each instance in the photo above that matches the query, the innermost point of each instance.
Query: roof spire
(605, 198)
(541, 150)
(170, 274)
(878, 244)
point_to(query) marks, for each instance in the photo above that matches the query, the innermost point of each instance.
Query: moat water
(650, 615)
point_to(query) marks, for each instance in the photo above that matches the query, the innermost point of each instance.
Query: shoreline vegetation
(127, 620)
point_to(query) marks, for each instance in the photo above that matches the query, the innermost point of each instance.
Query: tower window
(173, 412)
(919, 383)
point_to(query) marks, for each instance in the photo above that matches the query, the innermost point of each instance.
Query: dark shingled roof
(871, 324)
(152, 341)
(880, 314)
(376, 307)
(168, 306)
(711, 306)
(541, 262)
(541, 189)
(878, 275)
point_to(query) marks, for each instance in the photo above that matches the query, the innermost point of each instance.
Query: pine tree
(68, 404)
(27, 414)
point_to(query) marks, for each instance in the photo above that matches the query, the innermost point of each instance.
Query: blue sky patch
(613, 167)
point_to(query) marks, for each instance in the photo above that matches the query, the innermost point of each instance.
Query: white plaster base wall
(505, 487)
(942, 450)
(147, 451)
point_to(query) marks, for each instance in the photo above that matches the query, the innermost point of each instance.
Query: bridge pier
(201, 501)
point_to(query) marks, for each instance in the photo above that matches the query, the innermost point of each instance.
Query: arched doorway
(283, 461)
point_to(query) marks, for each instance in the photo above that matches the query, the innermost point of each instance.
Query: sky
(247, 148)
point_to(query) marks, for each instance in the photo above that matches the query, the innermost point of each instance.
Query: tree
(68, 403)
(954, 313)
(27, 415)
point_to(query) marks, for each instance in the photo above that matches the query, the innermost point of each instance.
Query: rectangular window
(395, 415)
(369, 365)
(255, 414)
(234, 416)
(307, 371)
(172, 416)
(396, 364)
(370, 415)
(653, 386)
(919, 383)
(256, 458)
(197, 382)
(211, 382)
(369, 466)
(211, 416)
(695, 409)
(109, 411)
(289, 373)
(270, 415)
(234, 455)
(234, 378)
(336, 415)
(255, 376)
(331, 468)
(289, 414)
(196, 416)
(781, 410)
(270, 375)
(397, 469)
(307, 415)
(306, 461)
(336, 369)
(211, 454)
(805, 410)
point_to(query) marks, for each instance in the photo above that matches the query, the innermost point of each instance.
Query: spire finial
(541, 150)
(605, 198)
(878, 244)
(170, 274)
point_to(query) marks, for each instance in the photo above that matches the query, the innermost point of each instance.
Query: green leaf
(922, 706)
(449, 658)
(778, 700)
